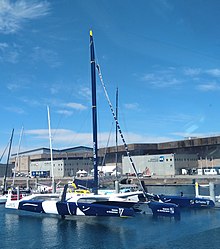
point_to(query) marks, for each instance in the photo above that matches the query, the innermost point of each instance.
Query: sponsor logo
(166, 210)
(121, 210)
(11, 205)
(113, 211)
(202, 202)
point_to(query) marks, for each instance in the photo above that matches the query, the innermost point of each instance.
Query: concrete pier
(153, 180)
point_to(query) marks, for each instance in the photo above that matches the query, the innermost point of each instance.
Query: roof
(44, 150)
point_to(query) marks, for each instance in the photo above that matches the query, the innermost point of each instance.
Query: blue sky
(163, 55)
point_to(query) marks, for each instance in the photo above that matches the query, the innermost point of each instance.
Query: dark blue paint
(31, 206)
(188, 202)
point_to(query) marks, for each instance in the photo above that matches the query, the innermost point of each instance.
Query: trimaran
(118, 204)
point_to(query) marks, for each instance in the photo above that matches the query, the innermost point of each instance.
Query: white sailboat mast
(51, 150)
(17, 164)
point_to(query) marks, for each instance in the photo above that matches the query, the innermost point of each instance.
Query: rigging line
(103, 161)
(4, 150)
(8, 158)
(119, 128)
(17, 160)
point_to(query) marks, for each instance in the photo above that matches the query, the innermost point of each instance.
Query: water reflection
(28, 230)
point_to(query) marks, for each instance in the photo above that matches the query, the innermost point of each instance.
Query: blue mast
(94, 113)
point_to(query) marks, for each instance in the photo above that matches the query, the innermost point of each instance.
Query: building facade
(61, 168)
(160, 165)
(207, 150)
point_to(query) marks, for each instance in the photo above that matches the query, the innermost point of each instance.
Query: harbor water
(194, 229)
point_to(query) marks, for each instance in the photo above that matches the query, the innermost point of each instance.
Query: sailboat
(14, 195)
(118, 204)
(72, 204)
(3, 197)
(140, 201)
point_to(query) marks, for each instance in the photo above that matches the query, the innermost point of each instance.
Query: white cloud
(46, 55)
(60, 137)
(13, 86)
(185, 135)
(9, 53)
(65, 112)
(54, 90)
(148, 77)
(31, 101)
(176, 117)
(132, 106)
(162, 79)
(142, 138)
(85, 92)
(15, 109)
(192, 71)
(63, 138)
(76, 106)
(3, 46)
(14, 13)
(214, 72)
(213, 86)
(174, 77)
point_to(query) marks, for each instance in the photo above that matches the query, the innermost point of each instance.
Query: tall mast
(17, 161)
(9, 153)
(116, 134)
(94, 113)
(51, 150)
(116, 145)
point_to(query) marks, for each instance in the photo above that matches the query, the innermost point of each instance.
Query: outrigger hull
(188, 202)
(164, 209)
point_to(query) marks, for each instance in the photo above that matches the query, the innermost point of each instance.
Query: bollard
(212, 191)
(116, 187)
(54, 186)
(18, 193)
(27, 183)
(197, 189)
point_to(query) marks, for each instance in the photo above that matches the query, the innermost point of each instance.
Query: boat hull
(3, 199)
(143, 206)
(164, 209)
(188, 202)
(73, 208)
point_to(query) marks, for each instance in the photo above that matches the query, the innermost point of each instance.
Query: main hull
(72, 208)
(83, 206)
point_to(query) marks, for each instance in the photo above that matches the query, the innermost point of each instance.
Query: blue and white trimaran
(118, 204)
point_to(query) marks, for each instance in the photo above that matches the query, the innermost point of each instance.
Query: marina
(154, 180)
(141, 232)
(113, 205)
(159, 186)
